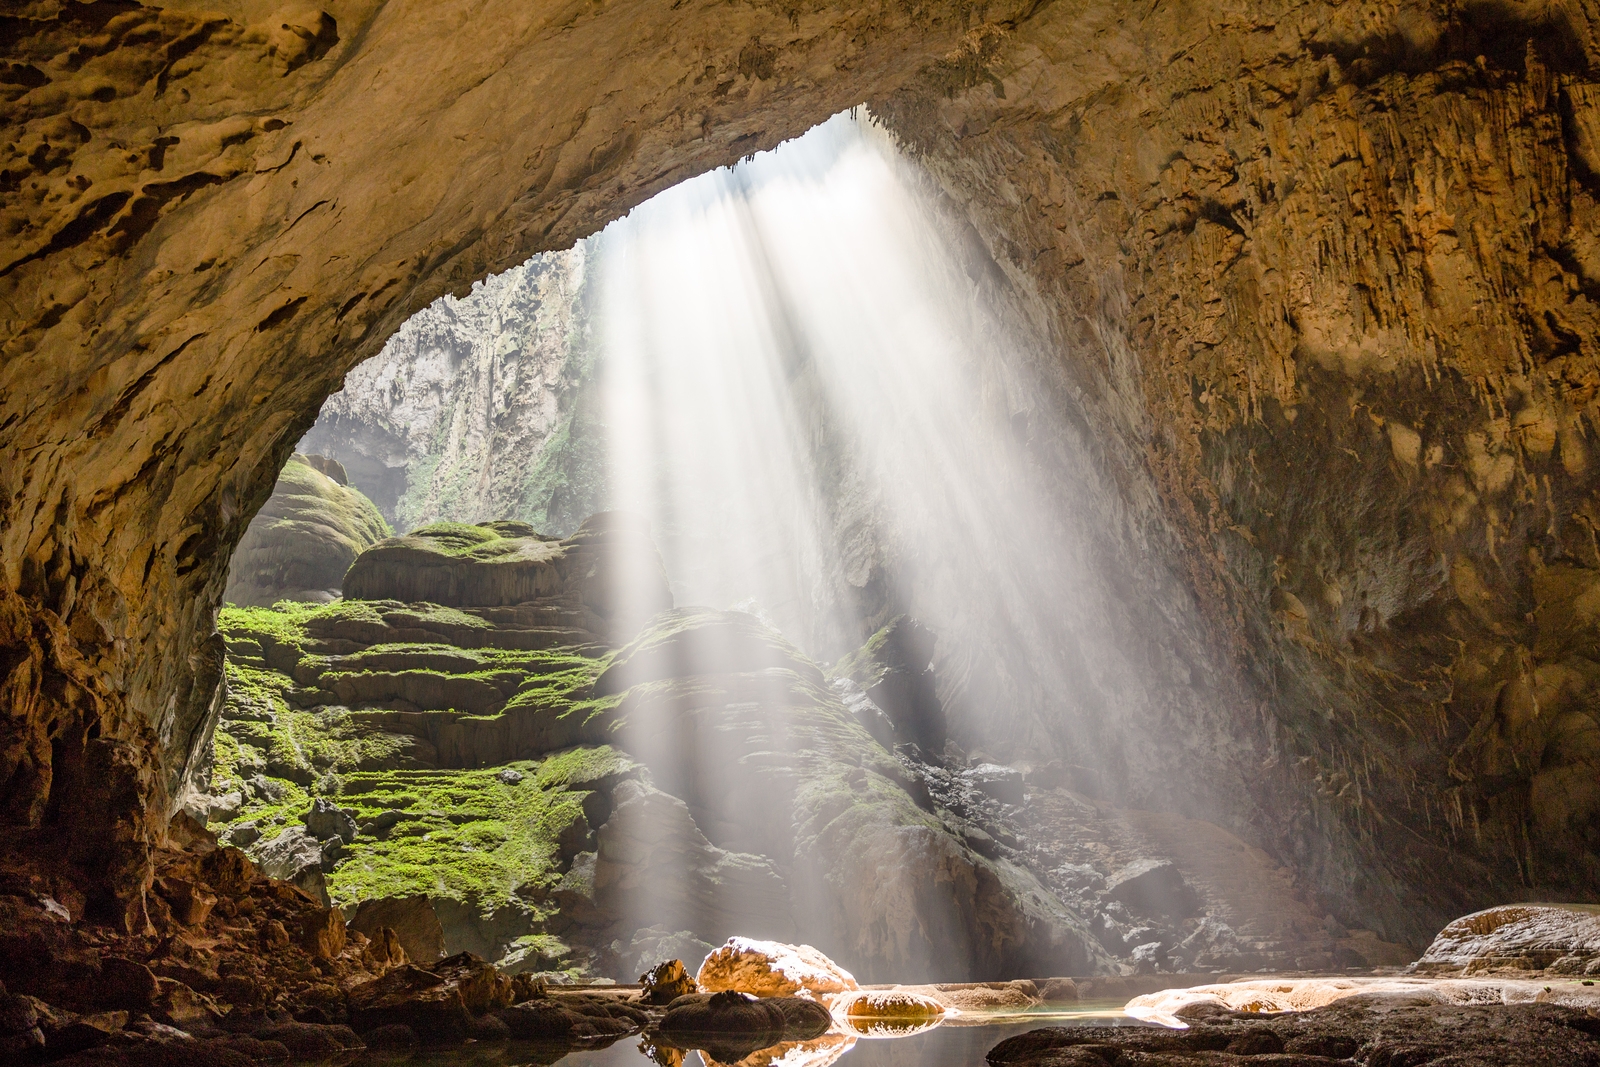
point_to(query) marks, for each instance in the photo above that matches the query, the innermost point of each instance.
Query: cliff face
(475, 410)
(1317, 281)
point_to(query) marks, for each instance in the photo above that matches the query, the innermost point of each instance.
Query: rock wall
(1324, 273)
(476, 408)
(1317, 279)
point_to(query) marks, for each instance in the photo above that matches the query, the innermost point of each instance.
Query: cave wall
(1325, 278)
(1317, 279)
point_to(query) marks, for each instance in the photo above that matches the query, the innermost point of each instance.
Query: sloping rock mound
(609, 563)
(772, 969)
(1565, 937)
(304, 538)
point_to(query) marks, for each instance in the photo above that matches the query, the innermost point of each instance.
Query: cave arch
(1234, 227)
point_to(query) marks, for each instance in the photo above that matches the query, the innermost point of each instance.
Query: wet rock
(666, 982)
(760, 1019)
(771, 969)
(411, 996)
(569, 1015)
(310, 1040)
(483, 987)
(394, 1038)
(1518, 937)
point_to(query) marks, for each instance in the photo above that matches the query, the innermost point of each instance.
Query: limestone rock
(414, 997)
(772, 969)
(572, 1015)
(894, 669)
(304, 538)
(609, 563)
(326, 820)
(1518, 937)
(293, 856)
(666, 982)
(413, 921)
(322, 933)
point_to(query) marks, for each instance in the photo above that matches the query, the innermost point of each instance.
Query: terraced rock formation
(567, 805)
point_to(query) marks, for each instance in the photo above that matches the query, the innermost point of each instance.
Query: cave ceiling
(1321, 278)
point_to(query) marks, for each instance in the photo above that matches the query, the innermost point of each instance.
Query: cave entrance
(740, 544)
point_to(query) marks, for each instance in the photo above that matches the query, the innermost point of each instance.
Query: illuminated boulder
(772, 969)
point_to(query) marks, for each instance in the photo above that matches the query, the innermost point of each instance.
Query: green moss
(865, 666)
(469, 836)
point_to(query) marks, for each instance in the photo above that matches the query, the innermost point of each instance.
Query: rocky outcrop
(304, 538)
(608, 565)
(1554, 938)
(413, 921)
(479, 408)
(1526, 1035)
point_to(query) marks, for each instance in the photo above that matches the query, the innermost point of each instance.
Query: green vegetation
(466, 835)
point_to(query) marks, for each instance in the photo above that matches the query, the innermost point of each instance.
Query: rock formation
(305, 536)
(1315, 285)
(477, 409)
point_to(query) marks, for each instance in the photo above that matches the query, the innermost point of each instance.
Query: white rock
(772, 969)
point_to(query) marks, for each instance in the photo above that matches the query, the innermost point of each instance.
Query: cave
(1251, 687)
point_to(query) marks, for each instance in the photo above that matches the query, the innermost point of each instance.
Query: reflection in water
(947, 1045)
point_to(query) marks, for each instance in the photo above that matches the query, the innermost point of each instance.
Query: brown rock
(383, 951)
(273, 934)
(483, 988)
(228, 871)
(666, 982)
(413, 921)
(411, 996)
(771, 969)
(322, 933)
(126, 984)
(190, 904)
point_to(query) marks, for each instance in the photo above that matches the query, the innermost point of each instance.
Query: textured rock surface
(1458, 1036)
(1534, 937)
(771, 969)
(1317, 279)
(476, 409)
(608, 565)
(1173, 1007)
(305, 536)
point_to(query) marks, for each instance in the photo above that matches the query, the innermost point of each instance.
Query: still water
(948, 1045)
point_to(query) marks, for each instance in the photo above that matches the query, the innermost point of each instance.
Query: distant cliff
(478, 409)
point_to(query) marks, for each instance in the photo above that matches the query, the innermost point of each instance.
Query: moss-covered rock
(304, 538)
(609, 564)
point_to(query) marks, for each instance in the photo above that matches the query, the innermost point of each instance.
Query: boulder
(666, 982)
(1518, 937)
(731, 1025)
(294, 856)
(410, 996)
(772, 969)
(326, 820)
(322, 933)
(572, 1015)
(891, 1005)
(483, 987)
(1153, 887)
(304, 538)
